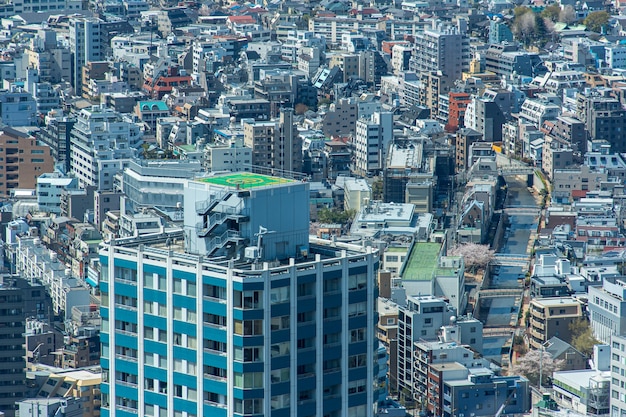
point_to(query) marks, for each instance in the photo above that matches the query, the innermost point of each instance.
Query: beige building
(551, 317)
(349, 64)
(83, 384)
(387, 333)
(275, 145)
(22, 161)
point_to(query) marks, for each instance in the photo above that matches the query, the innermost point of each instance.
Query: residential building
(222, 349)
(41, 341)
(371, 142)
(102, 140)
(618, 378)
(480, 392)
(499, 32)
(149, 112)
(20, 299)
(276, 144)
(163, 80)
(55, 133)
(51, 60)
(537, 111)
(605, 119)
(33, 260)
(464, 139)
(505, 60)
(91, 72)
(444, 49)
(24, 161)
(607, 309)
(615, 56)
(551, 317)
(17, 107)
(341, 118)
(227, 158)
(560, 350)
(458, 102)
(49, 189)
(82, 385)
(421, 318)
(485, 116)
(585, 391)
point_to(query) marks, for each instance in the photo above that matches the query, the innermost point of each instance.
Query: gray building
(444, 49)
(19, 300)
(504, 60)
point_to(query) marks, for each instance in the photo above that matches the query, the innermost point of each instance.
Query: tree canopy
(475, 256)
(335, 215)
(535, 362)
(595, 21)
(582, 336)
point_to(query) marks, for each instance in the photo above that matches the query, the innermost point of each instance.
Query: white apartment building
(49, 190)
(607, 308)
(36, 6)
(618, 376)
(102, 141)
(35, 261)
(615, 56)
(227, 158)
(536, 111)
(372, 139)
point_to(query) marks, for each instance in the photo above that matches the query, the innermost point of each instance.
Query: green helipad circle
(245, 181)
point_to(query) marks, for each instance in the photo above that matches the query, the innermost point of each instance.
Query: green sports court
(245, 180)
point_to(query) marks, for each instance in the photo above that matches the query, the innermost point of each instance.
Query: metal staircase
(219, 241)
(204, 207)
(204, 228)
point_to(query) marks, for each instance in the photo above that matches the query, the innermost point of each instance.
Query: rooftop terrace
(422, 262)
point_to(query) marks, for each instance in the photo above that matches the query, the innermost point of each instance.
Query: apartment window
(249, 327)
(279, 295)
(306, 290)
(249, 380)
(248, 299)
(280, 323)
(357, 335)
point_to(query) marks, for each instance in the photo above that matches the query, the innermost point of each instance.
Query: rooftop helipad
(245, 180)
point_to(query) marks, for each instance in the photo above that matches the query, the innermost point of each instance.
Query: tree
(536, 362)
(595, 21)
(335, 215)
(551, 12)
(301, 108)
(377, 189)
(567, 15)
(524, 26)
(475, 256)
(582, 336)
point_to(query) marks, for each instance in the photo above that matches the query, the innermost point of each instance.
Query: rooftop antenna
(262, 232)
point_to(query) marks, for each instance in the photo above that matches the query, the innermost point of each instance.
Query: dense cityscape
(325, 208)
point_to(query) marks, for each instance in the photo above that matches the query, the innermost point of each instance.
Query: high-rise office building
(251, 317)
(85, 45)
